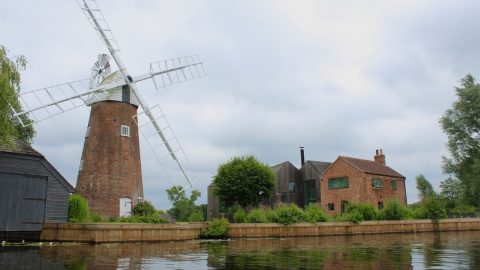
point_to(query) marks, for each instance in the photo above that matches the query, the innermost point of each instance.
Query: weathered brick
(111, 163)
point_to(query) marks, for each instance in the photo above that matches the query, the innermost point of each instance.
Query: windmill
(109, 174)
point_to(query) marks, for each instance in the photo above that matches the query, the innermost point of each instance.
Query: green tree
(424, 187)
(244, 180)
(184, 209)
(10, 127)
(462, 127)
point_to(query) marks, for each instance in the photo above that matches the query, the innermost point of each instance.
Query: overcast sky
(337, 77)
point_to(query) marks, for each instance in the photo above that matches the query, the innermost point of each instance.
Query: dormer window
(124, 131)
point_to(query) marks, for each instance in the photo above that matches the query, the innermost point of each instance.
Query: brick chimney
(379, 156)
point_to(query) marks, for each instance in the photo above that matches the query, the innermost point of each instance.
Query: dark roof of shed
(19, 147)
(370, 166)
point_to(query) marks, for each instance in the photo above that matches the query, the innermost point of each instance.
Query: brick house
(329, 184)
(359, 180)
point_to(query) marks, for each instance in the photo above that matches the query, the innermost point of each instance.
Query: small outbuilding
(32, 192)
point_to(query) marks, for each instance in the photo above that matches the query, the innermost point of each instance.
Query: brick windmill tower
(109, 174)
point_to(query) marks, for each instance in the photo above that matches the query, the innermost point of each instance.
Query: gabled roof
(319, 166)
(371, 167)
(276, 168)
(19, 147)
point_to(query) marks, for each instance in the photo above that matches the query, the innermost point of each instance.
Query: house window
(377, 183)
(338, 182)
(380, 205)
(292, 186)
(394, 184)
(344, 206)
(310, 192)
(331, 207)
(124, 131)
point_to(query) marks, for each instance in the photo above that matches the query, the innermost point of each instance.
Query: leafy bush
(152, 219)
(216, 228)
(256, 216)
(240, 216)
(314, 213)
(143, 209)
(434, 207)
(77, 208)
(393, 211)
(289, 214)
(354, 216)
(463, 211)
(196, 216)
(368, 211)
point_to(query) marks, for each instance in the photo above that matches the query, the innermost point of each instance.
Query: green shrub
(393, 210)
(463, 211)
(196, 216)
(353, 215)
(256, 216)
(288, 214)
(368, 211)
(77, 209)
(152, 219)
(314, 213)
(95, 218)
(143, 209)
(216, 228)
(239, 216)
(434, 207)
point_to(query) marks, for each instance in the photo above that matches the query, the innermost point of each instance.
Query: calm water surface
(457, 250)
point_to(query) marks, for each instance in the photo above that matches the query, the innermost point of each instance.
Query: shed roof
(370, 166)
(19, 147)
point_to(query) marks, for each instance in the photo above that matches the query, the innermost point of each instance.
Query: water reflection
(459, 250)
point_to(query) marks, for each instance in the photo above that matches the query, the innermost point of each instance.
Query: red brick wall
(360, 187)
(111, 163)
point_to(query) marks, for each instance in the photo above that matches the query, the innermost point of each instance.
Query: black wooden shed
(32, 192)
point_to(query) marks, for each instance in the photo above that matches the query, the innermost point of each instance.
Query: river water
(452, 250)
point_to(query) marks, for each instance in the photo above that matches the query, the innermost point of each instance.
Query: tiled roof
(369, 166)
(19, 147)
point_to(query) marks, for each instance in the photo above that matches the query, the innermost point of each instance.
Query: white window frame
(124, 131)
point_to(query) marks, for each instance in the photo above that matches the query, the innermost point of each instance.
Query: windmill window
(377, 183)
(125, 131)
(338, 182)
(88, 132)
(394, 184)
(81, 165)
